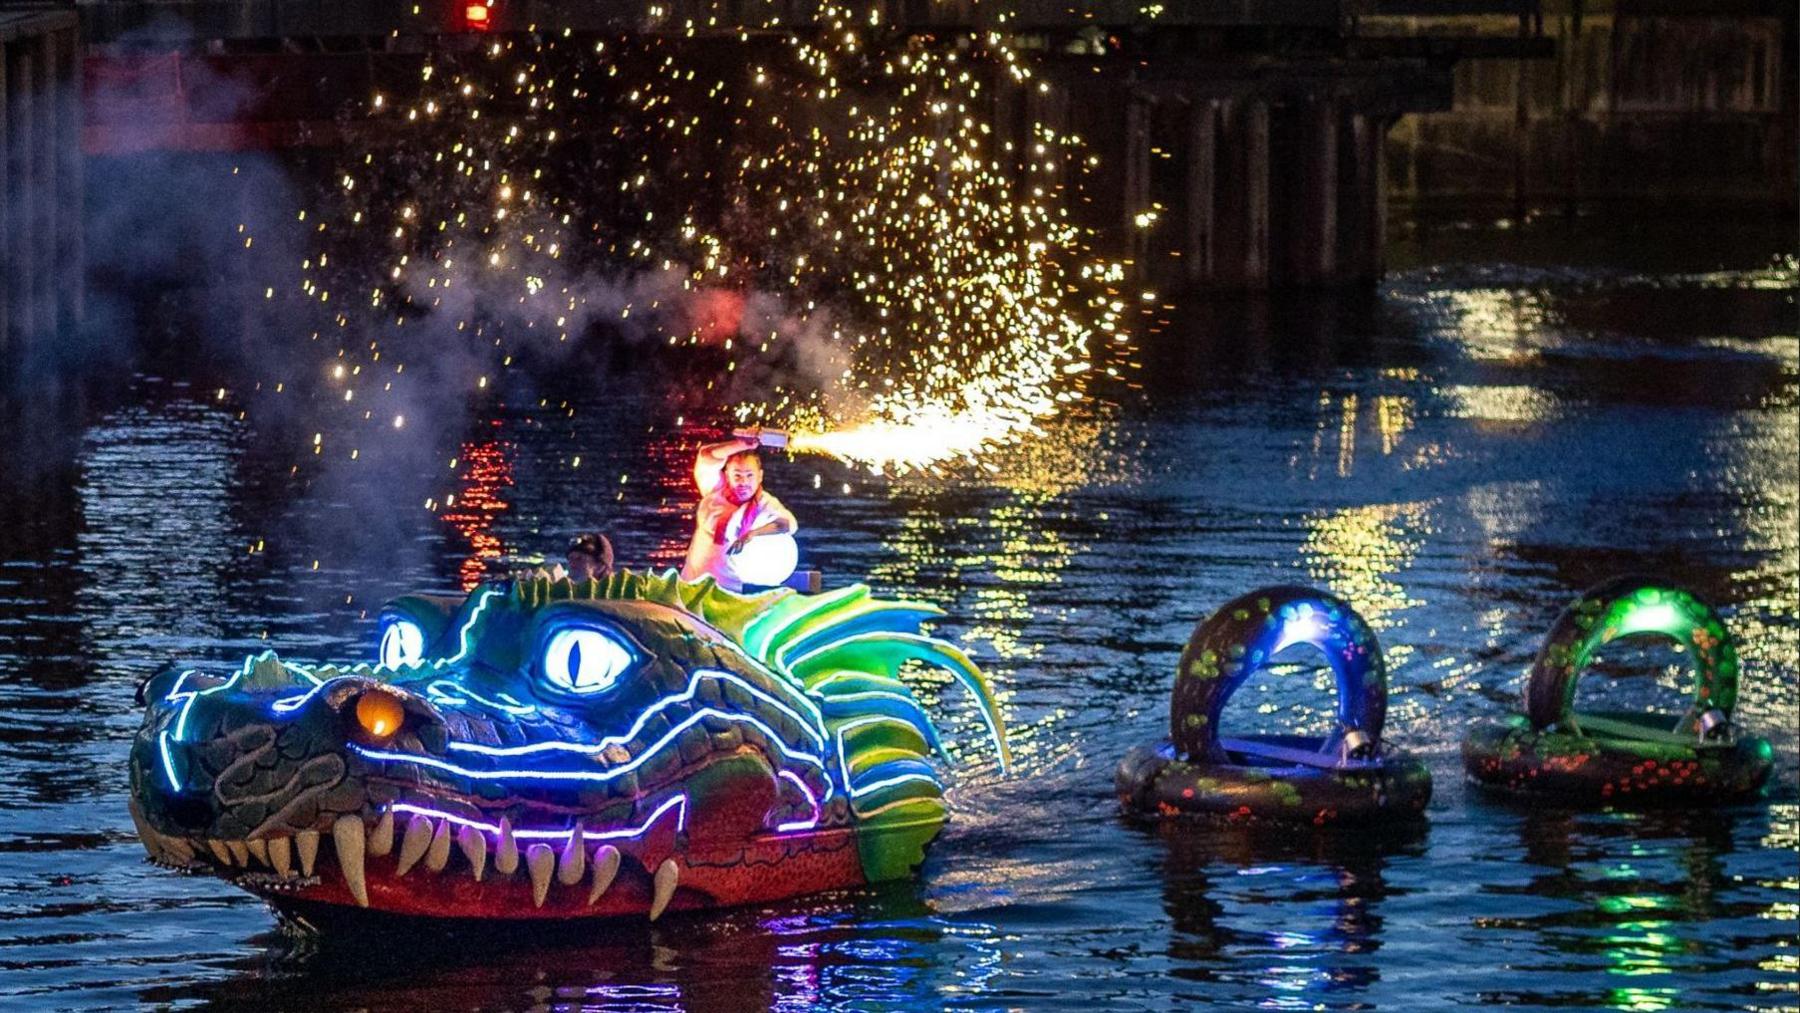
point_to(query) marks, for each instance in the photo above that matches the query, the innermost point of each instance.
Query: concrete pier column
(40, 180)
(23, 259)
(1241, 255)
(1308, 243)
(1202, 185)
(1140, 115)
(1362, 197)
(1048, 106)
(7, 349)
(1098, 115)
(45, 220)
(71, 185)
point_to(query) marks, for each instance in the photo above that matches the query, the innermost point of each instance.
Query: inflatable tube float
(549, 750)
(1697, 757)
(1347, 776)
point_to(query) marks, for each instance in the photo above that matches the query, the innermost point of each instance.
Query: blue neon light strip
(463, 641)
(878, 810)
(289, 704)
(447, 692)
(187, 698)
(958, 674)
(594, 776)
(786, 681)
(844, 763)
(685, 696)
(557, 835)
(168, 762)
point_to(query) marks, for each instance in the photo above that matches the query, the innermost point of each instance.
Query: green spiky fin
(729, 612)
(884, 653)
(801, 625)
(871, 741)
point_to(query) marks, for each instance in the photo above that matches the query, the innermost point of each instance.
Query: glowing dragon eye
(585, 660)
(402, 643)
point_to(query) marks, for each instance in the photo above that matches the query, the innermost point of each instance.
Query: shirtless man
(730, 475)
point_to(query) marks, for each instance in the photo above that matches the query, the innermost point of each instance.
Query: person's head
(742, 477)
(590, 557)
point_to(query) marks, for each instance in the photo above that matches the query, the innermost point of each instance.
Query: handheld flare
(775, 438)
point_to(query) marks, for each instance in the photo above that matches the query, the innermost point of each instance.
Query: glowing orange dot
(476, 14)
(379, 714)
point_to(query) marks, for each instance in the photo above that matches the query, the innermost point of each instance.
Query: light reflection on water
(1459, 498)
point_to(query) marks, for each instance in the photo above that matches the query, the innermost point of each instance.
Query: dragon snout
(220, 757)
(368, 711)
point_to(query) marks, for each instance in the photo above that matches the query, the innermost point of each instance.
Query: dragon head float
(550, 749)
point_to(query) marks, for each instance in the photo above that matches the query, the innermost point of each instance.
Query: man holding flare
(734, 508)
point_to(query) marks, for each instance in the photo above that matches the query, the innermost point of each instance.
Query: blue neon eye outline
(586, 659)
(402, 643)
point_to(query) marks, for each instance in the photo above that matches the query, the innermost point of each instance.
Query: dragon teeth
(474, 847)
(348, 835)
(540, 861)
(413, 845)
(506, 850)
(606, 866)
(572, 863)
(381, 839)
(178, 851)
(240, 854)
(438, 855)
(667, 878)
(160, 847)
(307, 842)
(218, 851)
(166, 849)
(281, 856)
(259, 850)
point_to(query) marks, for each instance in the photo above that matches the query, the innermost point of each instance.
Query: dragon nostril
(379, 714)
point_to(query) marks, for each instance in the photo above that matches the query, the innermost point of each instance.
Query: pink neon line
(551, 835)
(810, 797)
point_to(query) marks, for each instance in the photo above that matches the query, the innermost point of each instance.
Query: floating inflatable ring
(1347, 776)
(1602, 757)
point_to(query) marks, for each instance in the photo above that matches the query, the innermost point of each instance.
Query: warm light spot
(379, 714)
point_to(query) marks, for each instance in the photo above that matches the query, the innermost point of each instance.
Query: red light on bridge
(476, 14)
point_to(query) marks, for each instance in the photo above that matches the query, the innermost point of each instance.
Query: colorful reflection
(1497, 325)
(1631, 899)
(485, 472)
(1294, 919)
(1358, 552)
(1341, 427)
(1015, 548)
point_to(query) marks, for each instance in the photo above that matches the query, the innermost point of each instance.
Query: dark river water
(1516, 414)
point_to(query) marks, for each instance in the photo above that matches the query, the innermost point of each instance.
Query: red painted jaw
(417, 865)
(765, 868)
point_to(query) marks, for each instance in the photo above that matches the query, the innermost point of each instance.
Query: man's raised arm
(709, 463)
